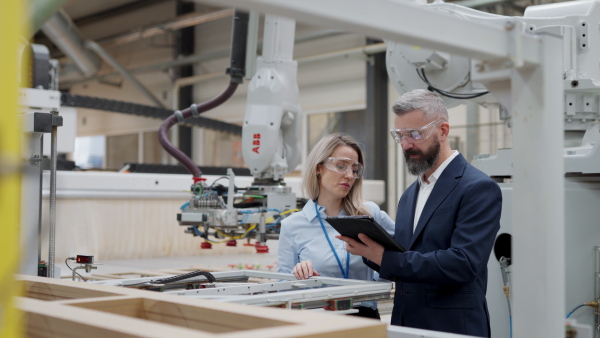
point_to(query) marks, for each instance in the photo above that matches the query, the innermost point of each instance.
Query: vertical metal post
(52, 236)
(261, 235)
(472, 131)
(376, 120)
(539, 189)
(185, 45)
(252, 44)
(31, 204)
(596, 290)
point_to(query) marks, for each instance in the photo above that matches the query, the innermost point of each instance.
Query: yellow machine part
(11, 31)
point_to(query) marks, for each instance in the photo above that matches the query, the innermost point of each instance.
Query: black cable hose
(186, 113)
(168, 280)
(236, 71)
(458, 96)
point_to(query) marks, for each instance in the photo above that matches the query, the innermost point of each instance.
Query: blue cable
(574, 309)
(197, 231)
(274, 210)
(509, 316)
(184, 205)
(245, 219)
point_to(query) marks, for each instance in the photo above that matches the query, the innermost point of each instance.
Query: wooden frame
(59, 308)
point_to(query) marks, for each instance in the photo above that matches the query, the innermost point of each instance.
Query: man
(447, 221)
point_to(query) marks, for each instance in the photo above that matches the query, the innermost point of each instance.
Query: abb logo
(256, 142)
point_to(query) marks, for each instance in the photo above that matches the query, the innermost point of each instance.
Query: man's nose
(406, 144)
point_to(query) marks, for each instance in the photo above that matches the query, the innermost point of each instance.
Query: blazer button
(401, 292)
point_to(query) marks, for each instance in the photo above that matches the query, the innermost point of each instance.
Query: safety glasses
(414, 135)
(342, 165)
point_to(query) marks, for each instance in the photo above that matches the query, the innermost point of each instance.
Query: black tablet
(353, 225)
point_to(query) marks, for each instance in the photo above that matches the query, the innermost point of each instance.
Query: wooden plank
(67, 289)
(52, 320)
(43, 291)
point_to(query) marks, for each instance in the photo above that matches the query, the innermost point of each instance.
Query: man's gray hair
(423, 100)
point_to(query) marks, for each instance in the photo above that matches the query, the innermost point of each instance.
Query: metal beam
(402, 21)
(539, 192)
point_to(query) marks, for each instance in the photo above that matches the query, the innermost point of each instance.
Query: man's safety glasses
(343, 164)
(414, 135)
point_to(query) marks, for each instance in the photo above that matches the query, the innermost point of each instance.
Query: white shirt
(426, 188)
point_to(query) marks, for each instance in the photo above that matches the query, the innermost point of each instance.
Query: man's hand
(370, 250)
(304, 270)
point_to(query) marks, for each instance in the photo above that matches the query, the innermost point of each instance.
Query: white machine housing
(271, 128)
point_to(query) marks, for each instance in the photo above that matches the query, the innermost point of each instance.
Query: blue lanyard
(344, 274)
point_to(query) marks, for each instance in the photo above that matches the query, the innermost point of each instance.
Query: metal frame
(278, 289)
(532, 72)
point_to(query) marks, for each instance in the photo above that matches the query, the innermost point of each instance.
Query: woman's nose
(349, 173)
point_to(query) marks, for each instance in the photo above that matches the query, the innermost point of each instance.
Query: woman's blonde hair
(352, 204)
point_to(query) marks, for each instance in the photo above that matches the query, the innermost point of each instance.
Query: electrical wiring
(509, 316)
(215, 181)
(458, 96)
(237, 237)
(574, 309)
(245, 219)
(198, 233)
(289, 211)
(271, 222)
(73, 258)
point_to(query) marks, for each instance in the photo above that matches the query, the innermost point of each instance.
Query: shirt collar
(311, 214)
(436, 174)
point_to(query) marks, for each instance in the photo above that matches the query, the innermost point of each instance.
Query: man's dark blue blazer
(441, 280)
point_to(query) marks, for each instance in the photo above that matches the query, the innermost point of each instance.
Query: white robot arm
(271, 129)
(270, 147)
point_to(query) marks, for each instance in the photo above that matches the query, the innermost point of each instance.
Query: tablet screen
(353, 225)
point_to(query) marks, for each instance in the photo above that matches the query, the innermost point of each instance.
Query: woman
(333, 183)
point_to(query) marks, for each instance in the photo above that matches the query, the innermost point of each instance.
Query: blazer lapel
(406, 215)
(447, 181)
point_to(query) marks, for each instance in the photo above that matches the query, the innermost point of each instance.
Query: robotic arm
(456, 77)
(270, 147)
(271, 129)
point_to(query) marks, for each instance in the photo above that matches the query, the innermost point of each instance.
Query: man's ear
(445, 127)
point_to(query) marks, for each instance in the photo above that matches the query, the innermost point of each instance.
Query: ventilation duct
(65, 35)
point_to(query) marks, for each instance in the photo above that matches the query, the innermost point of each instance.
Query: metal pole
(538, 211)
(109, 59)
(53, 157)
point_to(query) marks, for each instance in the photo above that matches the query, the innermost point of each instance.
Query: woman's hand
(304, 270)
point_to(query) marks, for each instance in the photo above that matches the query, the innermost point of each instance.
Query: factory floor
(128, 267)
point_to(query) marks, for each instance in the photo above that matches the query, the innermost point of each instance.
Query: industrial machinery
(39, 102)
(457, 78)
(270, 145)
(537, 67)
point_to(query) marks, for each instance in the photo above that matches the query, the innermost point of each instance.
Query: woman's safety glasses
(343, 164)
(414, 135)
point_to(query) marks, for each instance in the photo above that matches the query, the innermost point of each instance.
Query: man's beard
(419, 166)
